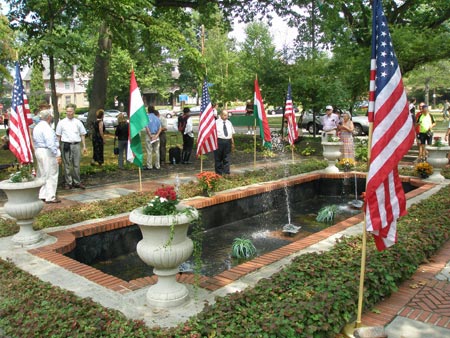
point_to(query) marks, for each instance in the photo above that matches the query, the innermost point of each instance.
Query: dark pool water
(264, 230)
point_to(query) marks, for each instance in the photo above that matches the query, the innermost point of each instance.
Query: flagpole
(254, 142)
(206, 72)
(349, 329)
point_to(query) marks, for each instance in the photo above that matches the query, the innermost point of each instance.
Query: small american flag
(392, 137)
(20, 119)
(289, 115)
(207, 132)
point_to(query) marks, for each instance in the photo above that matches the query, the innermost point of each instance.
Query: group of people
(225, 141)
(340, 126)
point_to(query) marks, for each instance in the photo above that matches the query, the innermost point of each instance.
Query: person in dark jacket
(122, 138)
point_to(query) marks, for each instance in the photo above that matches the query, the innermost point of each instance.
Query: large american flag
(19, 120)
(289, 115)
(207, 132)
(393, 135)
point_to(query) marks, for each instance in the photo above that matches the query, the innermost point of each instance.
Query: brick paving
(423, 298)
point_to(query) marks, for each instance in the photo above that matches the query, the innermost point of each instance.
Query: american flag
(207, 132)
(20, 119)
(393, 135)
(289, 115)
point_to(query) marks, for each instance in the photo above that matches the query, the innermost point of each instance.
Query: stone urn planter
(437, 157)
(24, 204)
(331, 152)
(165, 246)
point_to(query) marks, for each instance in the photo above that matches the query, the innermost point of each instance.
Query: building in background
(70, 88)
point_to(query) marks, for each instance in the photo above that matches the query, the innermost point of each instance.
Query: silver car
(360, 122)
(109, 119)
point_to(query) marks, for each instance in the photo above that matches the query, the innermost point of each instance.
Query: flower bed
(314, 296)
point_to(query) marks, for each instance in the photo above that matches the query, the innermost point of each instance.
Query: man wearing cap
(48, 156)
(330, 123)
(425, 123)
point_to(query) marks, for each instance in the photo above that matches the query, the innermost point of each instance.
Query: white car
(109, 119)
(166, 113)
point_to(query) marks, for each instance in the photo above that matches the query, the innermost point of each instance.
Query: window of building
(67, 85)
(68, 99)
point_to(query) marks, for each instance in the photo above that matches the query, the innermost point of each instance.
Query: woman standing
(346, 136)
(122, 137)
(98, 138)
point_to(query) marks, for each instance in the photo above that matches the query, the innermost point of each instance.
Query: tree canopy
(328, 63)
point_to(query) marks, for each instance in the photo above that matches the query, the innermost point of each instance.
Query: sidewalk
(420, 307)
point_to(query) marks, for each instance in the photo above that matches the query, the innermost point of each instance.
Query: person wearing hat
(48, 156)
(425, 122)
(330, 123)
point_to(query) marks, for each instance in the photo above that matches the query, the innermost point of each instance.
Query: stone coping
(66, 239)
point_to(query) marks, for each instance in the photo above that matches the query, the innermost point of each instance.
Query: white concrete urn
(437, 157)
(165, 250)
(24, 204)
(331, 152)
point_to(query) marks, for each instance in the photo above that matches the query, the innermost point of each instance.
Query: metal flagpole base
(351, 330)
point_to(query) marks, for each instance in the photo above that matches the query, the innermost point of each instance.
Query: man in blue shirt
(152, 131)
(48, 156)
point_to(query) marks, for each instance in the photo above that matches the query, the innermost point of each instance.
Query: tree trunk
(101, 70)
(53, 89)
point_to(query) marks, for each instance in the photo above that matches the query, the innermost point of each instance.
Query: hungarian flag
(138, 121)
(261, 118)
(392, 136)
(289, 115)
(19, 120)
(207, 133)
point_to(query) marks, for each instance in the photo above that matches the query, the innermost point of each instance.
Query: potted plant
(208, 182)
(331, 152)
(164, 224)
(346, 164)
(22, 190)
(423, 169)
(437, 157)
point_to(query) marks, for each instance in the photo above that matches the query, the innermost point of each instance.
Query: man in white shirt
(330, 122)
(225, 144)
(71, 132)
(48, 156)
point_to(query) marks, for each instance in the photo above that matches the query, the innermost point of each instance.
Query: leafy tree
(51, 33)
(6, 50)
(258, 57)
(37, 88)
(429, 76)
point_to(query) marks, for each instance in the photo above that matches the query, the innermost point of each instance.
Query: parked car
(83, 118)
(166, 113)
(113, 112)
(361, 123)
(109, 119)
(279, 110)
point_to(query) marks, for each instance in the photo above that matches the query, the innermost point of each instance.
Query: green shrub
(314, 296)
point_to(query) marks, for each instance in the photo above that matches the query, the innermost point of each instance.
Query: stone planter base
(164, 253)
(24, 204)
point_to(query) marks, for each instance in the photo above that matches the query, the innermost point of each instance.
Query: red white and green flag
(138, 121)
(261, 118)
